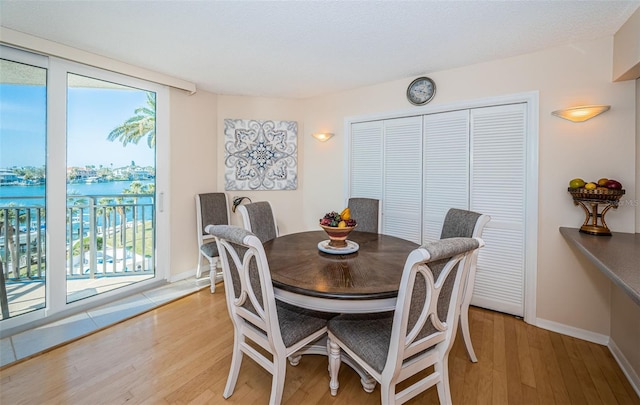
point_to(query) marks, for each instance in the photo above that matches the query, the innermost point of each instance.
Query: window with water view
(106, 216)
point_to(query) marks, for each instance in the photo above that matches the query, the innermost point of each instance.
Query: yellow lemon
(590, 186)
(345, 214)
(342, 224)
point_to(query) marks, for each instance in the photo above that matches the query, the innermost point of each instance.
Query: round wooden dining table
(361, 282)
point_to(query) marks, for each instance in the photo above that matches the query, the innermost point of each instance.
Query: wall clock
(421, 91)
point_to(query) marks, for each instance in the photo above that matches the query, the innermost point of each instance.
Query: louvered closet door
(402, 196)
(446, 168)
(498, 140)
(365, 163)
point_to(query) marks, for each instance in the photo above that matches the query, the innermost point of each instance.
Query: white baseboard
(626, 367)
(573, 332)
(182, 276)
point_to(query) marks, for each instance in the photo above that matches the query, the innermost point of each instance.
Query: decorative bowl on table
(596, 199)
(338, 227)
(338, 235)
(596, 194)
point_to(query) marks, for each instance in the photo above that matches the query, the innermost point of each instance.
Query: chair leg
(236, 362)
(334, 367)
(213, 273)
(444, 392)
(328, 354)
(368, 383)
(294, 360)
(387, 394)
(199, 268)
(464, 325)
(277, 383)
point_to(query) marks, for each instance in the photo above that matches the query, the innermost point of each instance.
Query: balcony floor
(37, 340)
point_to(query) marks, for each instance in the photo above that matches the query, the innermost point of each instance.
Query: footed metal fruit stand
(590, 201)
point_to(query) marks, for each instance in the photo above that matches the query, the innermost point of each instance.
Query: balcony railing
(106, 236)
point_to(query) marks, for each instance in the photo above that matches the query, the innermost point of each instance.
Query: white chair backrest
(249, 290)
(428, 307)
(260, 219)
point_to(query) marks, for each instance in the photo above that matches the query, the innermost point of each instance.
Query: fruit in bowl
(338, 227)
(341, 220)
(602, 184)
(613, 185)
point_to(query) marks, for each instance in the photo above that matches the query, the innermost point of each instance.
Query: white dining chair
(418, 334)
(366, 212)
(259, 218)
(278, 328)
(211, 209)
(463, 223)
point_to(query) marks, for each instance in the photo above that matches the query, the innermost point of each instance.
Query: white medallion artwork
(260, 155)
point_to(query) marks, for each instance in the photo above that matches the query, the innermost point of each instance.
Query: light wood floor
(180, 354)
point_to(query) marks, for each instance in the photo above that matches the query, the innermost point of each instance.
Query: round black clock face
(421, 91)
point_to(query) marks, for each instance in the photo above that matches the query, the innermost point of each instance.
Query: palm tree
(122, 211)
(8, 230)
(106, 209)
(141, 125)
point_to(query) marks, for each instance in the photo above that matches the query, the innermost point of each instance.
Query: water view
(16, 192)
(108, 124)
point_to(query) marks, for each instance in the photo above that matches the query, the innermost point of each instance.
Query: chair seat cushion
(368, 335)
(298, 323)
(210, 249)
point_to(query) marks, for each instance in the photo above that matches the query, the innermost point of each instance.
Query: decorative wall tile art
(260, 155)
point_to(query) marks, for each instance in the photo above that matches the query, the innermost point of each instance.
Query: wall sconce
(582, 113)
(322, 136)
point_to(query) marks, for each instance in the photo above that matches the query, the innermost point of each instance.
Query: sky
(92, 115)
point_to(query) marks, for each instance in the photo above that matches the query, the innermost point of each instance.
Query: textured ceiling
(308, 48)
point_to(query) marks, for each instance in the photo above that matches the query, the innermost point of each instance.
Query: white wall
(194, 156)
(287, 205)
(626, 49)
(625, 333)
(569, 292)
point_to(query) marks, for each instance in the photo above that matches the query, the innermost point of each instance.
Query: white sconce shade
(582, 113)
(323, 136)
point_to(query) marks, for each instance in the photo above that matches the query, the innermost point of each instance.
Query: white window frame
(56, 298)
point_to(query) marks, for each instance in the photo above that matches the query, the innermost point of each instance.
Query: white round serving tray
(351, 247)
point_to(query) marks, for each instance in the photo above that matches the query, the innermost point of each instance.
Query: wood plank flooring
(180, 354)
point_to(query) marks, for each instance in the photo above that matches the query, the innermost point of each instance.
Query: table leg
(321, 346)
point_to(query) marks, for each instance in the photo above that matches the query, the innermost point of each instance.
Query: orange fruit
(602, 181)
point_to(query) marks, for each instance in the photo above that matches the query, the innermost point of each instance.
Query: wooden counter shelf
(617, 256)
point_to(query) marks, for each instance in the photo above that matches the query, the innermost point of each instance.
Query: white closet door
(498, 177)
(365, 170)
(446, 168)
(402, 197)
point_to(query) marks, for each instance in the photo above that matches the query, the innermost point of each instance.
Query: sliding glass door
(79, 185)
(110, 186)
(23, 121)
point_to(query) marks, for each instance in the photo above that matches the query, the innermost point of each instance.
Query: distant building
(134, 173)
(7, 176)
(82, 173)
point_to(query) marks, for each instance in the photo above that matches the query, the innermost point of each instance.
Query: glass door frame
(56, 188)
